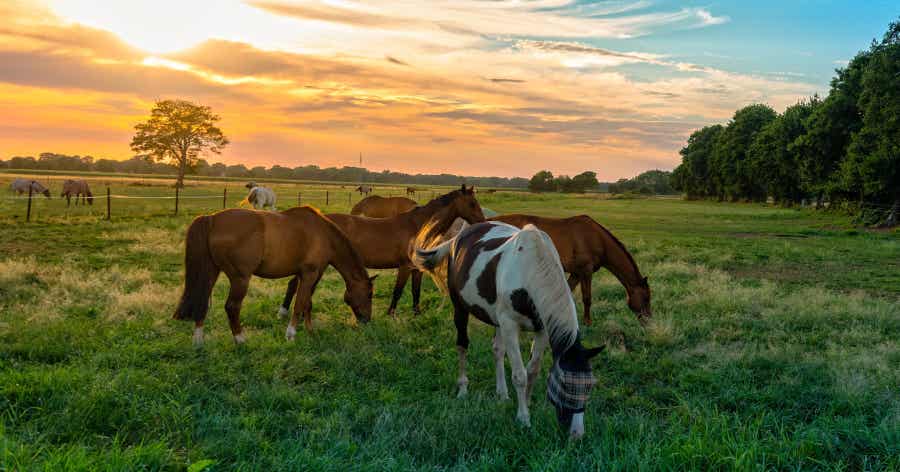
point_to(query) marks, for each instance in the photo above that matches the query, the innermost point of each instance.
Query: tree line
(544, 181)
(144, 165)
(651, 182)
(843, 149)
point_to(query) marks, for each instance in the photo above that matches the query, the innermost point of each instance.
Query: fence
(316, 197)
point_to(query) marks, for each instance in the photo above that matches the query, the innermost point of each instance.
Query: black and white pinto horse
(512, 279)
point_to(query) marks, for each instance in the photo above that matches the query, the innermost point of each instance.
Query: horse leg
(573, 281)
(416, 290)
(586, 296)
(303, 304)
(198, 333)
(509, 332)
(402, 275)
(538, 346)
(499, 370)
(285, 307)
(236, 294)
(69, 201)
(461, 320)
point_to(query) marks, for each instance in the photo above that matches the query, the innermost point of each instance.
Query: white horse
(20, 186)
(513, 279)
(260, 197)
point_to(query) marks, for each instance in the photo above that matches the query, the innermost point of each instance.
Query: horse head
(358, 297)
(464, 205)
(569, 385)
(639, 300)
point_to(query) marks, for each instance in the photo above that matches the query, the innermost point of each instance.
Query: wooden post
(299, 201)
(224, 197)
(28, 213)
(349, 199)
(108, 212)
(326, 197)
(176, 198)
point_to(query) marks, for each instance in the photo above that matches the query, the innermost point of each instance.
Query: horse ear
(593, 352)
(463, 188)
(372, 278)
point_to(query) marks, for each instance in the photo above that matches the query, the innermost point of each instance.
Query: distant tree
(732, 172)
(693, 175)
(543, 181)
(584, 181)
(178, 132)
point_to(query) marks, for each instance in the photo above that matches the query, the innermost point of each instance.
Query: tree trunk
(181, 165)
(819, 200)
(894, 216)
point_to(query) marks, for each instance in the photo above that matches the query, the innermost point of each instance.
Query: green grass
(775, 345)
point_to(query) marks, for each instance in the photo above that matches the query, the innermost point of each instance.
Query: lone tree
(178, 132)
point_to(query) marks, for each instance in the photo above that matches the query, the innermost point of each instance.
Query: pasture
(775, 344)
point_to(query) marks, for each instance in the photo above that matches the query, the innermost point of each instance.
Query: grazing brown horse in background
(299, 242)
(77, 188)
(364, 189)
(382, 207)
(411, 190)
(584, 246)
(384, 243)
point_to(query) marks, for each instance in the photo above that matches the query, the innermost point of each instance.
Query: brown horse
(364, 189)
(382, 207)
(411, 191)
(77, 188)
(299, 242)
(584, 246)
(384, 243)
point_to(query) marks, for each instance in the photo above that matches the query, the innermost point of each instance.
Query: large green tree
(872, 166)
(732, 170)
(693, 175)
(179, 132)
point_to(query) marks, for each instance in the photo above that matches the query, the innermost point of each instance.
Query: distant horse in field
(376, 206)
(77, 188)
(384, 243)
(584, 246)
(299, 242)
(411, 191)
(260, 197)
(20, 186)
(364, 189)
(512, 279)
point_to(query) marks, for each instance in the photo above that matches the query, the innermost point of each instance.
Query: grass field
(775, 345)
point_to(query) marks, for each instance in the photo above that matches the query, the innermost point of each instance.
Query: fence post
(176, 198)
(108, 213)
(299, 201)
(28, 213)
(224, 197)
(349, 199)
(326, 197)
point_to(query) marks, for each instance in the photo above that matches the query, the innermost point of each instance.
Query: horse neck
(618, 260)
(345, 259)
(421, 215)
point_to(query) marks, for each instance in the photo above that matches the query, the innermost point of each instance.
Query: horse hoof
(240, 339)
(198, 337)
(503, 396)
(588, 321)
(283, 312)
(416, 311)
(391, 313)
(290, 333)
(524, 420)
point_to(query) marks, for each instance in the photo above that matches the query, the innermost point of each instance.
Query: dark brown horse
(299, 242)
(384, 243)
(382, 207)
(584, 246)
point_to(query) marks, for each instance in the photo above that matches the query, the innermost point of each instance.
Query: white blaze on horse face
(577, 428)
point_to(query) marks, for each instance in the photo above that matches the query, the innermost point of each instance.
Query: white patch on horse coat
(290, 333)
(262, 197)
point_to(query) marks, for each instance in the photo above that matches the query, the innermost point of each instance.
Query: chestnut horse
(382, 207)
(77, 188)
(584, 246)
(384, 243)
(299, 242)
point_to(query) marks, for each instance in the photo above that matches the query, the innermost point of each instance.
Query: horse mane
(546, 283)
(618, 243)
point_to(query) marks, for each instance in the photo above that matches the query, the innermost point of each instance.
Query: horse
(299, 242)
(260, 197)
(584, 246)
(512, 279)
(411, 191)
(78, 188)
(384, 243)
(382, 207)
(364, 189)
(20, 186)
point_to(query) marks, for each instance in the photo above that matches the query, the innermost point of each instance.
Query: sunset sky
(474, 87)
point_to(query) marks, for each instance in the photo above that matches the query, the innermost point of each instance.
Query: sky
(473, 87)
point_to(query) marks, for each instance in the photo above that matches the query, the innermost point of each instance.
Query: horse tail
(200, 272)
(427, 259)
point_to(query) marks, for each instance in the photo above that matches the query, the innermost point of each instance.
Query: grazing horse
(299, 242)
(20, 186)
(260, 197)
(411, 191)
(364, 189)
(78, 188)
(382, 207)
(512, 279)
(384, 243)
(584, 246)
